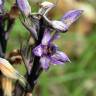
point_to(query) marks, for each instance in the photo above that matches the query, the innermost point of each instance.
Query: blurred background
(79, 77)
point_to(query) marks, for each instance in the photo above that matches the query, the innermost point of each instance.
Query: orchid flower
(24, 7)
(63, 25)
(7, 69)
(48, 52)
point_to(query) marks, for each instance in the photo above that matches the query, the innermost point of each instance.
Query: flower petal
(46, 37)
(59, 25)
(1, 5)
(45, 7)
(59, 58)
(44, 62)
(24, 6)
(30, 27)
(38, 51)
(47, 4)
(8, 70)
(0, 2)
(55, 36)
(71, 16)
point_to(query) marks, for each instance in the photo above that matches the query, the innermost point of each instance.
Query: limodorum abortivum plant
(38, 52)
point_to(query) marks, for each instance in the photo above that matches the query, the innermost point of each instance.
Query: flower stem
(36, 69)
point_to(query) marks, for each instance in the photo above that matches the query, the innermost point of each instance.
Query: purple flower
(49, 52)
(63, 25)
(24, 7)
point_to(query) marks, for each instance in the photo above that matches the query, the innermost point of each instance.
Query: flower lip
(41, 50)
(49, 50)
(44, 61)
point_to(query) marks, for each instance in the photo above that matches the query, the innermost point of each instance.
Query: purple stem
(36, 69)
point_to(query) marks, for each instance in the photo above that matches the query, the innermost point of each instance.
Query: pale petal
(59, 25)
(59, 58)
(45, 7)
(0, 2)
(44, 61)
(46, 37)
(1, 5)
(38, 51)
(33, 32)
(71, 16)
(47, 4)
(8, 70)
(30, 27)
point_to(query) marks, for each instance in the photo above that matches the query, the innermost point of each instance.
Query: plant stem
(36, 69)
